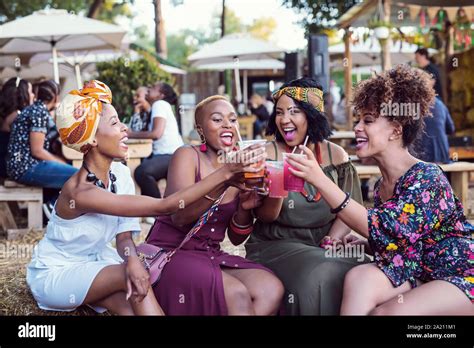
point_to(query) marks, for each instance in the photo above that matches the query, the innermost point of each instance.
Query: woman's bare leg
(237, 296)
(437, 297)
(111, 280)
(365, 287)
(266, 290)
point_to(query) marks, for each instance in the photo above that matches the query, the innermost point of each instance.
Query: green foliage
(124, 76)
(317, 15)
(12, 9)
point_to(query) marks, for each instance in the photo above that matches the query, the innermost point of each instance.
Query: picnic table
(459, 172)
(137, 149)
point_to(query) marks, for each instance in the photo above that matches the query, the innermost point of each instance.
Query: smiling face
(154, 93)
(111, 134)
(217, 121)
(375, 134)
(291, 121)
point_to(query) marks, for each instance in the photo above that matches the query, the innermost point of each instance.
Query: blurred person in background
(16, 94)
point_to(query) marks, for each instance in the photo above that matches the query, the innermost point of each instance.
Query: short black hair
(318, 123)
(47, 90)
(13, 97)
(423, 52)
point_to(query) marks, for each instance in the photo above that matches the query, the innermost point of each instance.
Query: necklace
(91, 177)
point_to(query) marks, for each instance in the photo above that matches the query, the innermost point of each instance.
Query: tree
(106, 10)
(124, 76)
(319, 14)
(262, 28)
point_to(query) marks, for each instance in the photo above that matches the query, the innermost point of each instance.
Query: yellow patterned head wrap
(311, 95)
(78, 114)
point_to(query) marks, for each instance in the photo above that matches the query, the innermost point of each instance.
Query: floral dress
(421, 232)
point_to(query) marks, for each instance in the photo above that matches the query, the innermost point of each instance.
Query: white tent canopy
(268, 63)
(232, 51)
(367, 53)
(52, 30)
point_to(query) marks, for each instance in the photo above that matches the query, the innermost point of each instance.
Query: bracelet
(232, 221)
(343, 204)
(241, 231)
(328, 240)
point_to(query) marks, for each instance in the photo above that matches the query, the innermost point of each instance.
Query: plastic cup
(275, 174)
(243, 145)
(291, 182)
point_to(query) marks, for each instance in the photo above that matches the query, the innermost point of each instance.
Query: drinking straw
(238, 133)
(305, 142)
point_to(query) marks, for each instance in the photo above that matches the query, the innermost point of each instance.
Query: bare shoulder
(184, 154)
(339, 155)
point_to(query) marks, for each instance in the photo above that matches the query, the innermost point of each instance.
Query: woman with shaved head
(201, 279)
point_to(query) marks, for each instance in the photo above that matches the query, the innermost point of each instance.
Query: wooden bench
(12, 191)
(459, 177)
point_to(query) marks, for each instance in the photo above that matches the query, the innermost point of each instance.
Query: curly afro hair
(401, 86)
(318, 124)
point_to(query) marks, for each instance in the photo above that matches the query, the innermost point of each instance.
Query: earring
(203, 146)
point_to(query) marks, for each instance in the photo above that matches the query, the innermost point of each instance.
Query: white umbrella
(78, 59)
(367, 53)
(53, 30)
(234, 50)
(255, 64)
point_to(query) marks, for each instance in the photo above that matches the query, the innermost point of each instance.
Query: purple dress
(191, 283)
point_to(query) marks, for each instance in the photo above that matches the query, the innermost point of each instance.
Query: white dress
(72, 252)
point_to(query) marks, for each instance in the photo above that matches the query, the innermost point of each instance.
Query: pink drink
(275, 174)
(291, 182)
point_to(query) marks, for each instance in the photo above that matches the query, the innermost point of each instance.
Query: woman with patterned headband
(74, 263)
(291, 234)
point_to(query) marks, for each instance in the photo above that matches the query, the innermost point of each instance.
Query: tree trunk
(160, 35)
(95, 8)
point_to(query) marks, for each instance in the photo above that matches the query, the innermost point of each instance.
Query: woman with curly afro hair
(417, 230)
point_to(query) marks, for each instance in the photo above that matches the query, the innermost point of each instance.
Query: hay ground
(16, 298)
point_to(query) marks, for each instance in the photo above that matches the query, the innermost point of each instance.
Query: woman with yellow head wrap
(74, 260)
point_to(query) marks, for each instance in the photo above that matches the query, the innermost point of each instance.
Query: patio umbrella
(234, 50)
(52, 30)
(254, 64)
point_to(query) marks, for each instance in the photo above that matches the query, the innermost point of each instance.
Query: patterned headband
(311, 95)
(77, 117)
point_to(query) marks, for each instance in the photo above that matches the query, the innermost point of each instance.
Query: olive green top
(304, 221)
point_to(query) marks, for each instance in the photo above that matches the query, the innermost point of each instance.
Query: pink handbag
(154, 258)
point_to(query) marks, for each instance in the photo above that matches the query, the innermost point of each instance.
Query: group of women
(417, 232)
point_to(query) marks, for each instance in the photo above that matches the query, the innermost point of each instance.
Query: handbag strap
(201, 222)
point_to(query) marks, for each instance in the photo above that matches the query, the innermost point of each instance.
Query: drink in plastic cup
(275, 174)
(291, 182)
(243, 145)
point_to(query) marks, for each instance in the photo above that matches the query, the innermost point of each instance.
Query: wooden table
(457, 153)
(459, 177)
(246, 126)
(137, 149)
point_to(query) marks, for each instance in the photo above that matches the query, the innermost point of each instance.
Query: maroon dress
(191, 283)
